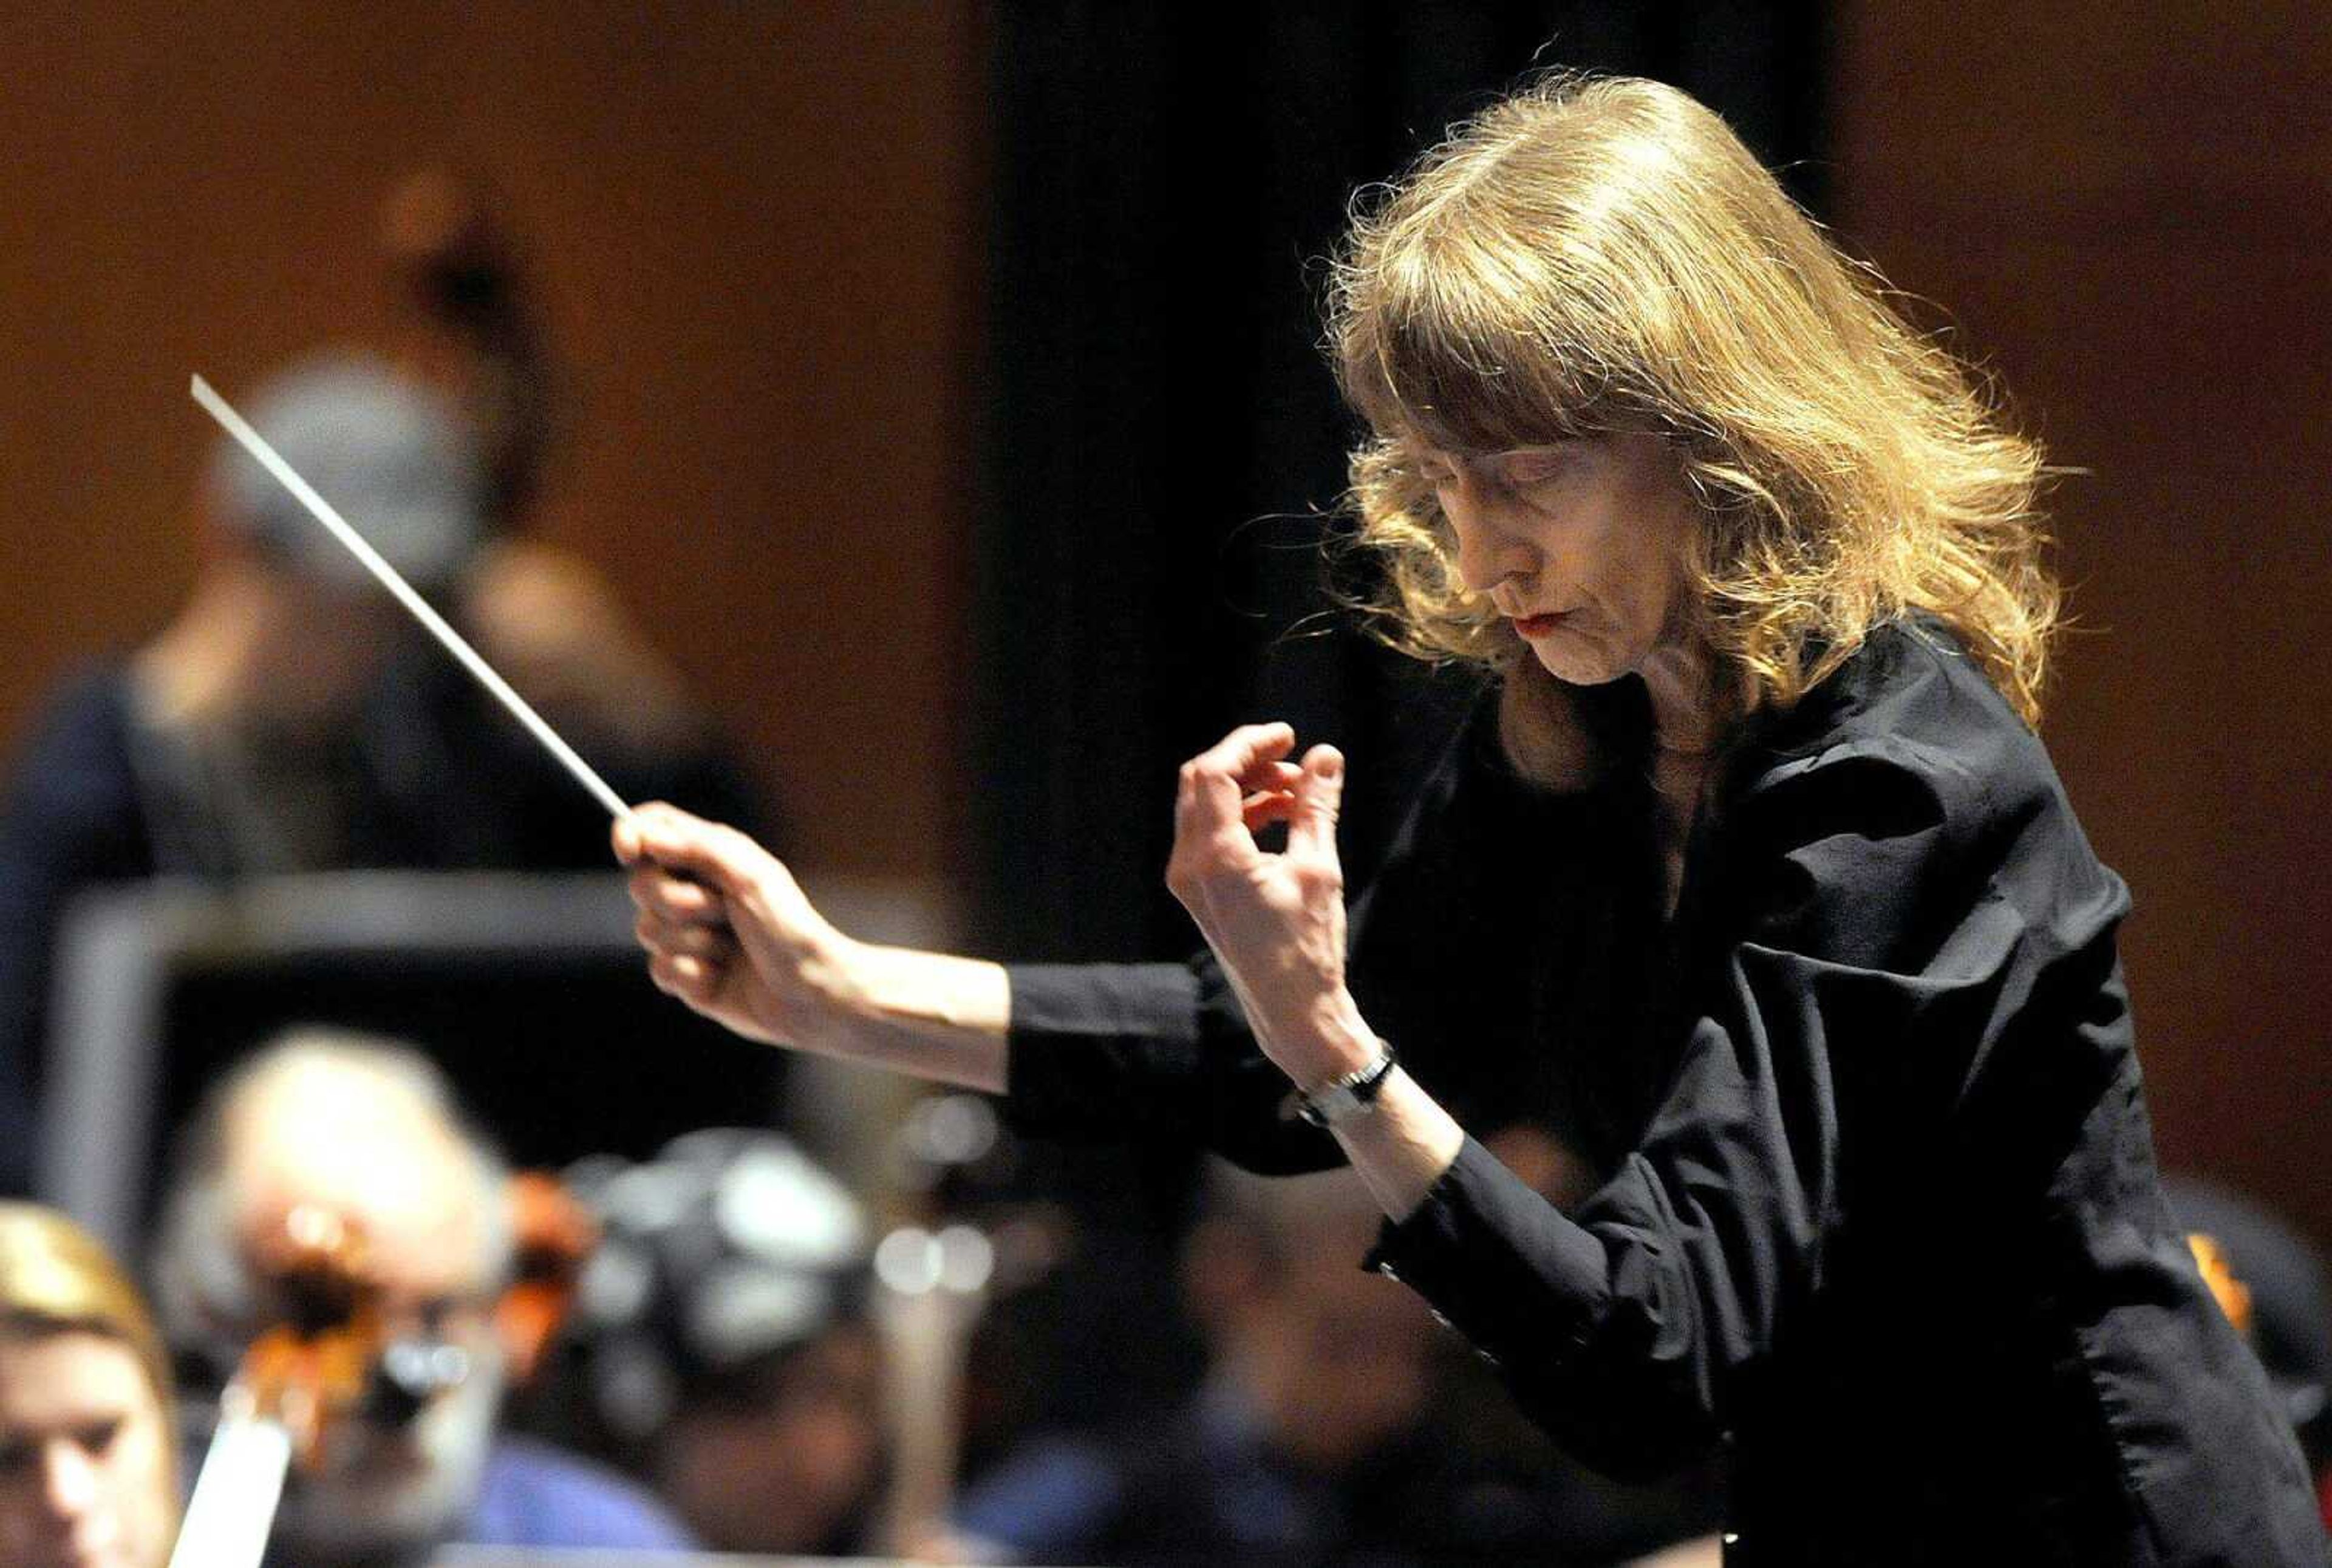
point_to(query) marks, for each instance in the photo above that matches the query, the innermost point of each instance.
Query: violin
(306, 1370)
(329, 1353)
(556, 1233)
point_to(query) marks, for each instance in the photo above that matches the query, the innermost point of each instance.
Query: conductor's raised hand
(1276, 920)
(727, 929)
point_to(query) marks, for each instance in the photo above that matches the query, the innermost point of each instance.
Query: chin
(1585, 666)
(398, 1493)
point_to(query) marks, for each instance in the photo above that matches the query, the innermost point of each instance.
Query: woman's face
(1580, 544)
(85, 1477)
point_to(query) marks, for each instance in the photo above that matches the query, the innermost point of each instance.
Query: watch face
(1347, 1096)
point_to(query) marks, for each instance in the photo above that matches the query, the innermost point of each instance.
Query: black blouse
(1880, 1214)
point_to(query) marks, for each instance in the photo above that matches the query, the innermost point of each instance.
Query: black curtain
(1165, 447)
(1163, 455)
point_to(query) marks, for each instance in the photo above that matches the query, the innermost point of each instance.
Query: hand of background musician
(553, 624)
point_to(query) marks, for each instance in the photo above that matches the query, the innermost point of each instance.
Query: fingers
(662, 894)
(1308, 796)
(673, 898)
(723, 859)
(1318, 794)
(1261, 807)
(1214, 783)
(1253, 754)
(695, 980)
(1247, 768)
(683, 938)
(1260, 811)
(688, 955)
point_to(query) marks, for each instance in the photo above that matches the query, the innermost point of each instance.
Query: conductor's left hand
(1277, 920)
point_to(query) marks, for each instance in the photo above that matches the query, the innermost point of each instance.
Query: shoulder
(1909, 716)
(71, 783)
(533, 1495)
(1053, 1496)
(1905, 782)
(81, 721)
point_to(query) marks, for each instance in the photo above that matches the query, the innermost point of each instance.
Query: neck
(1686, 713)
(206, 662)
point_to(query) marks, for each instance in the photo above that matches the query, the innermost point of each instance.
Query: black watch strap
(1354, 1095)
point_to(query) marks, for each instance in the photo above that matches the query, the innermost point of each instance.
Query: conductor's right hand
(727, 930)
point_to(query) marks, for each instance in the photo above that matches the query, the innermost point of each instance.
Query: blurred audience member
(2271, 1281)
(1323, 1434)
(721, 1344)
(88, 1468)
(365, 1131)
(290, 718)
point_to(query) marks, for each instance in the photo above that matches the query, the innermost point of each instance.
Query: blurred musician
(364, 1131)
(722, 1346)
(288, 718)
(88, 1466)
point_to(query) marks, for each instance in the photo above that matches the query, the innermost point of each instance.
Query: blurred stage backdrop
(947, 396)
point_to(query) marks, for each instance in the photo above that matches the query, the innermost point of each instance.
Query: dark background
(950, 403)
(1167, 443)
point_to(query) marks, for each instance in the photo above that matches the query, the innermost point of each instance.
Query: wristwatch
(1340, 1100)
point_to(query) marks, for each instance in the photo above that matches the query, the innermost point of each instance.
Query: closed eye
(1535, 465)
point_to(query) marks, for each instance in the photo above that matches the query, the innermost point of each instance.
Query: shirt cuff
(1499, 1262)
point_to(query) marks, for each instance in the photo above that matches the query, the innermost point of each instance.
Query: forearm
(1404, 1140)
(1402, 1145)
(933, 1015)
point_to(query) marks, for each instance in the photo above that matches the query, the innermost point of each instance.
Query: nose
(69, 1482)
(1490, 549)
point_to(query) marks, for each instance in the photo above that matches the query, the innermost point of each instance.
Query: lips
(1537, 625)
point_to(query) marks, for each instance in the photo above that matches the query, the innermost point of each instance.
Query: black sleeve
(1437, 965)
(1103, 1051)
(70, 817)
(1879, 918)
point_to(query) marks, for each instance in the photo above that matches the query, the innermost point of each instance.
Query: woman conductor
(1752, 879)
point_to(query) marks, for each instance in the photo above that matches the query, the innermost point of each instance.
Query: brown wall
(2128, 211)
(755, 230)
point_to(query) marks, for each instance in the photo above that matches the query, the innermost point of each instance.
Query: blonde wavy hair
(1599, 255)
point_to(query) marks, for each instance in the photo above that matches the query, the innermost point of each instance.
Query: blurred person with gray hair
(720, 1342)
(365, 1131)
(290, 719)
